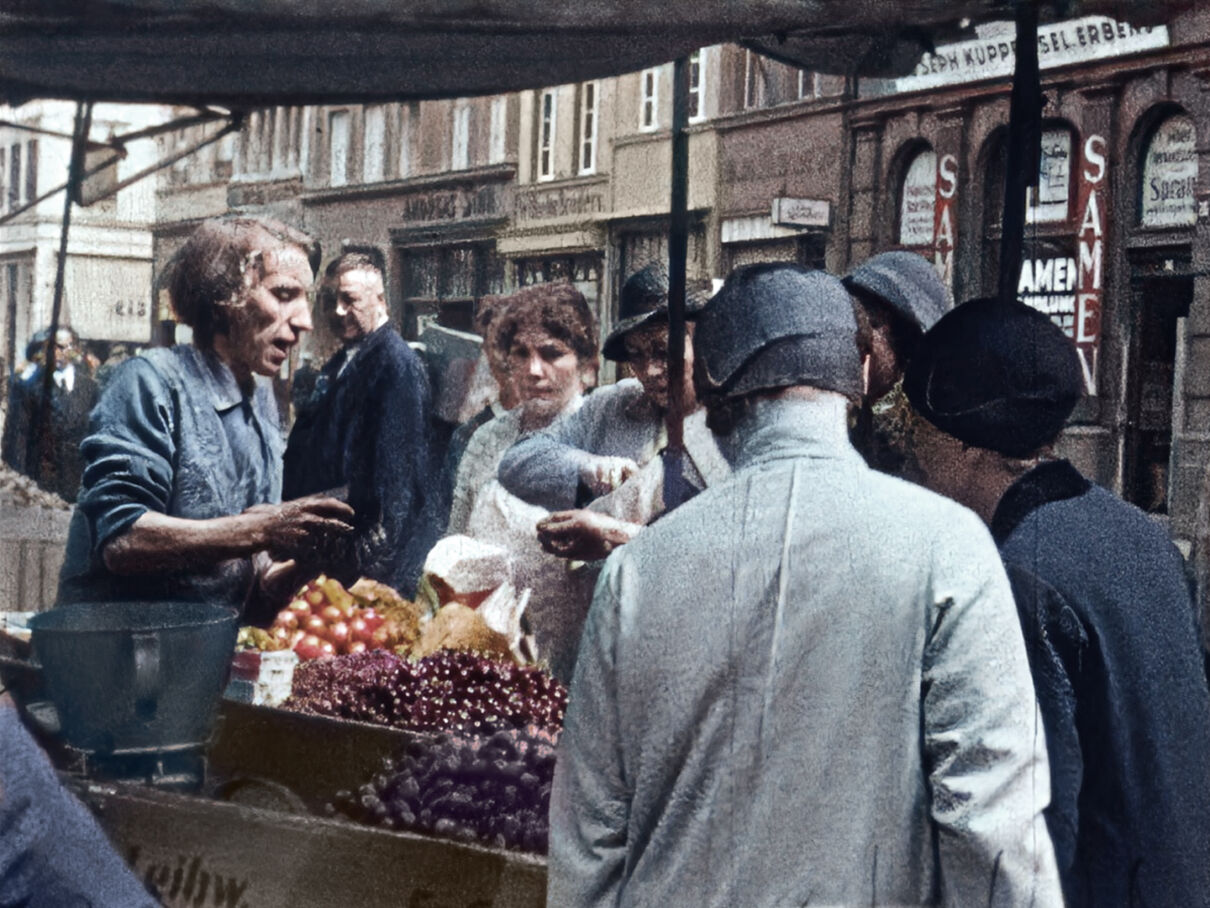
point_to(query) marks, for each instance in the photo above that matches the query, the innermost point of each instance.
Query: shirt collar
(220, 381)
(776, 428)
(1053, 480)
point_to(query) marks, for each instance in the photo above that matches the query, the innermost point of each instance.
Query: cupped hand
(295, 527)
(604, 474)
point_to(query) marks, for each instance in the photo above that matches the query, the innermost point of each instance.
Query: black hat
(644, 300)
(906, 282)
(996, 375)
(774, 325)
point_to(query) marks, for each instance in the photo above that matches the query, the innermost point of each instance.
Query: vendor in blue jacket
(1103, 602)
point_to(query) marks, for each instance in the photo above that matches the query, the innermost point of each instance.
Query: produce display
(490, 789)
(447, 691)
(325, 619)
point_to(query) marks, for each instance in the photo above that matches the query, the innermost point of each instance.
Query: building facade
(470, 197)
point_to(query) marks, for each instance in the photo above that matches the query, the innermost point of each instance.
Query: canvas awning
(251, 53)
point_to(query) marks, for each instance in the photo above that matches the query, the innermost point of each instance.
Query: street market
(312, 636)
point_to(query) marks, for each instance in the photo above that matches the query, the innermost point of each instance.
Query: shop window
(649, 81)
(1048, 204)
(443, 284)
(918, 200)
(546, 135)
(588, 127)
(408, 114)
(497, 141)
(373, 156)
(460, 150)
(1166, 194)
(697, 107)
(338, 148)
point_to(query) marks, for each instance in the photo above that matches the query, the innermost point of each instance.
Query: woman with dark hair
(182, 474)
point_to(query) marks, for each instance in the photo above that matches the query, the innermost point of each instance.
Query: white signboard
(108, 298)
(993, 55)
(801, 212)
(918, 202)
(1049, 203)
(1170, 175)
(1049, 285)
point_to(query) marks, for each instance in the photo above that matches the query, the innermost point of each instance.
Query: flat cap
(643, 301)
(996, 375)
(906, 282)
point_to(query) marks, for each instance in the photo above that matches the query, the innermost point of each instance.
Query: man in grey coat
(806, 685)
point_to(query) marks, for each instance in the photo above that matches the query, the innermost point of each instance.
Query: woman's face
(275, 312)
(547, 374)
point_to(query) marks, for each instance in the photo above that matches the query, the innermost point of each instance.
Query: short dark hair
(354, 260)
(557, 308)
(210, 272)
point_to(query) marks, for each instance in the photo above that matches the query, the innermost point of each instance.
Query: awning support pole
(40, 421)
(678, 251)
(1024, 147)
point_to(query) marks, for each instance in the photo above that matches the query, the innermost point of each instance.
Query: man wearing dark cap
(1103, 602)
(902, 296)
(807, 685)
(617, 433)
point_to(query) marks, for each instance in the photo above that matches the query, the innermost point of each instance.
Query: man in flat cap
(902, 296)
(1103, 602)
(806, 685)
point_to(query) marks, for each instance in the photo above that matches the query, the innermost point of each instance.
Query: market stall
(314, 804)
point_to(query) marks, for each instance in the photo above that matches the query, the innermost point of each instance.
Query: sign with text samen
(993, 54)
(801, 212)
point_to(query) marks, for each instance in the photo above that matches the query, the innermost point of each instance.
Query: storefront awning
(251, 53)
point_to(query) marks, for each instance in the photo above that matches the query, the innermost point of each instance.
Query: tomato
(338, 633)
(315, 625)
(359, 630)
(286, 619)
(372, 619)
(327, 648)
(310, 647)
(331, 614)
(358, 646)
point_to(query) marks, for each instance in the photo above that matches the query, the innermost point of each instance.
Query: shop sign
(460, 204)
(1065, 279)
(1170, 175)
(944, 219)
(993, 54)
(801, 212)
(548, 204)
(108, 298)
(917, 202)
(1048, 203)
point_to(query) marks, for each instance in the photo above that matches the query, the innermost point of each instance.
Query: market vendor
(547, 335)
(182, 478)
(618, 432)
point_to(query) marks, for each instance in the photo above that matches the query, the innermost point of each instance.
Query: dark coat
(54, 462)
(1108, 599)
(367, 430)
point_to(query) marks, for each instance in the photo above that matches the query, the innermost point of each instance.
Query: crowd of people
(865, 639)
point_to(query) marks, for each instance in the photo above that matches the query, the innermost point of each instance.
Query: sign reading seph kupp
(993, 54)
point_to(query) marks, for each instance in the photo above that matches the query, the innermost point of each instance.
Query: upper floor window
(31, 170)
(460, 150)
(809, 85)
(649, 99)
(338, 148)
(1166, 197)
(14, 175)
(407, 128)
(546, 135)
(497, 143)
(373, 151)
(697, 65)
(589, 92)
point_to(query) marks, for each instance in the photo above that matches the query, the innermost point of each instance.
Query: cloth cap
(996, 375)
(644, 300)
(777, 325)
(906, 282)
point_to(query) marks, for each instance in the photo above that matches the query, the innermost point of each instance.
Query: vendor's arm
(985, 749)
(590, 801)
(548, 467)
(584, 534)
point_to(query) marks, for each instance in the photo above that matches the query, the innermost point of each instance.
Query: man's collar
(220, 381)
(1053, 480)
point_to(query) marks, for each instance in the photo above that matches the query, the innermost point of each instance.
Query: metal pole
(678, 250)
(40, 423)
(1024, 147)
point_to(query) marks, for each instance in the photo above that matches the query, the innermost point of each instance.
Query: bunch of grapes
(447, 691)
(493, 790)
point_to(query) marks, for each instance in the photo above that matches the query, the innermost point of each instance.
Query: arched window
(1169, 177)
(918, 200)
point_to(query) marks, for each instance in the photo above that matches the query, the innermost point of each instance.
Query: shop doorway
(1161, 303)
